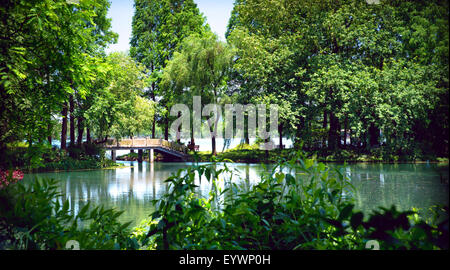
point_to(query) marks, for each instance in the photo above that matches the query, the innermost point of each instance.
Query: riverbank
(340, 156)
(134, 157)
(44, 158)
(70, 164)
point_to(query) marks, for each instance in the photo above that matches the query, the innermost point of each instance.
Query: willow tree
(200, 67)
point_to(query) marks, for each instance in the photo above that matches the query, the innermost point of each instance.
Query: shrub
(35, 217)
(283, 211)
(299, 204)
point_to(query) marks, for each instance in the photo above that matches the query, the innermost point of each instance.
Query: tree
(159, 26)
(341, 58)
(117, 108)
(201, 67)
(45, 45)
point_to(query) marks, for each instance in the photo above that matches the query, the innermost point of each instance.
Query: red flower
(5, 178)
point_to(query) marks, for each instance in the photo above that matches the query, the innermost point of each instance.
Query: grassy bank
(251, 154)
(43, 158)
(71, 164)
(134, 157)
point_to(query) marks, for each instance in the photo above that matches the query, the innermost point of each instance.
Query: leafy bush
(42, 157)
(129, 157)
(68, 163)
(245, 146)
(299, 204)
(305, 206)
(33, 217)
(93, 150)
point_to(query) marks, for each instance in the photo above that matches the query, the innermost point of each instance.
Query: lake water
(132, 189)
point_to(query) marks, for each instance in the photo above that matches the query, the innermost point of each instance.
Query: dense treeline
(376, 72)
(345, 74)
(58, 82)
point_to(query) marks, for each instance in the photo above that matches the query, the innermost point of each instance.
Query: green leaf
(356, 220)
(345, 212)
(65, 207)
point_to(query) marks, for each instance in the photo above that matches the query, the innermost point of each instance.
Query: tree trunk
(153, 97)
(49, 131)
(374, 134)
(345, 131)
(213, 137)
(350, 137)
(179, 130)
(364, 141)
(246, 137)
(166, 129)
(64, 126)
(29, 140)
(153, 127)
(338, 133)
(72, 120)
(266, 151)
(213, 145)
(299, 133)
(192, 138)
(324, 126)
(333, 135)
(72, 125)
(88, 134)
(80, 127)
(280, 132)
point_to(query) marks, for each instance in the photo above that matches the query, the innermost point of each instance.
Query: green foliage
(158, 29)
(348, 65)
(47, 51)
(68, 163)
(299, 204)
(200, 68)
(244, 146)
(401, 230)
(251, 154)
(302, 206)
(44, 158)
(35, 217)
(115, 106)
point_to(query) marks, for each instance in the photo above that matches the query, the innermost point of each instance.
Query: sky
(217, 13)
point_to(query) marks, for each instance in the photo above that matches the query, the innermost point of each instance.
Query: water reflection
(403, 185)
(132, 189)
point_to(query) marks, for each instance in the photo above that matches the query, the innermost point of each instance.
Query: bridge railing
(146, 142)
(154, 141)
(140, 142)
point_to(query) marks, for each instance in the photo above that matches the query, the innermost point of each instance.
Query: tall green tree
(201, 67)
(341, 58)
(45, 46)
(159, 26)
(116, 107)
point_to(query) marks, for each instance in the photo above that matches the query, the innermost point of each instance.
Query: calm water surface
(132, 189)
